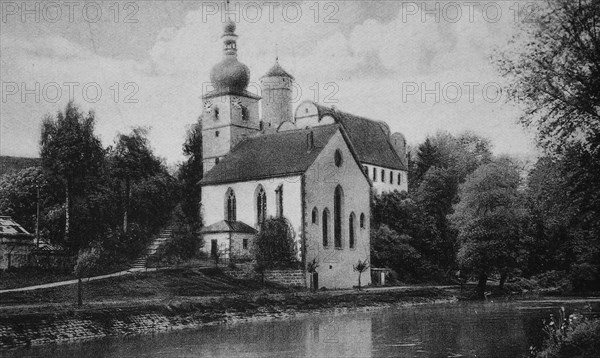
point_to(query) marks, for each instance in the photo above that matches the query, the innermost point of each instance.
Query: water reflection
(453, 330)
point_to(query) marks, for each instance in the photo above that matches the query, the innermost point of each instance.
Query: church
(316, 166)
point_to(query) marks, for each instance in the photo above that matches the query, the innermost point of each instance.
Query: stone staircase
(164, 235)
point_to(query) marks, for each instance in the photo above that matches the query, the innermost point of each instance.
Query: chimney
(310, 141)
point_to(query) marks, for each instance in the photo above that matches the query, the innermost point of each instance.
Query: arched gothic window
(315, 215)
(399, 178)
(362, 220)
(338, 202)
(261, 205)
(382, 176)
(351, 230)
(230, 205)
(325, 223)
(391, 177)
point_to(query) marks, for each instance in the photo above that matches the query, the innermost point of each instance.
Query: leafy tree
(490, 220)
(70, 150)
(190, 172)
(553, 68)
(394, 251)
(131, 160)
(18, 195)
(274, 245)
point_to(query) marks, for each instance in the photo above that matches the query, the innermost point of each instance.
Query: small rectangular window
(374, 174)
(245, 244)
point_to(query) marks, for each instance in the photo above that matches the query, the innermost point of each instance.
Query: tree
(274, 246)
(131, 160)
(70, 150)
(490, 220)
(190, 172)
(553, 70)
(360, 267)
(394, 251)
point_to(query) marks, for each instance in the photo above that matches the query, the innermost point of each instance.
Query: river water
(447, 330)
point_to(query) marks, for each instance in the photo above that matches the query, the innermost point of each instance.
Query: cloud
(368, 61)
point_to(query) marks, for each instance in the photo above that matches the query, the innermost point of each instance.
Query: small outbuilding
(16, 244)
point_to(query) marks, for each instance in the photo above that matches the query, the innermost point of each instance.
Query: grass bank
(176, 299)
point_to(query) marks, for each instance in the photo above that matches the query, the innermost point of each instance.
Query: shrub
(274, 246)
(573, 336)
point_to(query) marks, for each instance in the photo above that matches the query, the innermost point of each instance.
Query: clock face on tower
(236, 102)
(208, 106)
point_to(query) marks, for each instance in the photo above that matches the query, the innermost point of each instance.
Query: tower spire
(229, 37)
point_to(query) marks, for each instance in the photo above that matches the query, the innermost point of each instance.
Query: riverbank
(18, 329)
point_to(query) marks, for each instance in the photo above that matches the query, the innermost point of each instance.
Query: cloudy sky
(420, 66)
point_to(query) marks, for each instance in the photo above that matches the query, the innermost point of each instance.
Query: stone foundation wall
(32, 330)
(286, 277)
(282, 277)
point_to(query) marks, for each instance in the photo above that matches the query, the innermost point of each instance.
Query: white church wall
(213, 201)
(382, 185)
(336, 265)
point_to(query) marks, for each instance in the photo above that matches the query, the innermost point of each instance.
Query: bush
(274, 246)
(573, 336)
(185, 243)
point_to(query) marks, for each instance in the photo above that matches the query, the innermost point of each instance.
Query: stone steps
(164, 235)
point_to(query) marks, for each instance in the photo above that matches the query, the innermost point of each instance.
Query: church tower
(230, 112)
(276, 91)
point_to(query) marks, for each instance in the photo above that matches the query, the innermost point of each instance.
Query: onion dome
(230, 74)
(277, 71)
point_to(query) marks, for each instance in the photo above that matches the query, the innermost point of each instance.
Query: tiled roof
(271, 155)
(277, 71)
(10, 227)
(368, 139)
(228, 226)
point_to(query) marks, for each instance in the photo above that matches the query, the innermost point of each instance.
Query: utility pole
(37, 218)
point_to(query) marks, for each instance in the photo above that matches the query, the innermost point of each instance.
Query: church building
(315, 166)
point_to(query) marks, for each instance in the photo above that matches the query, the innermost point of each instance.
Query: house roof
(228, 226)
(272, 155)
(9, 227)
(368, 138)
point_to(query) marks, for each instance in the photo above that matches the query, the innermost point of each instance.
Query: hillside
(13, 164)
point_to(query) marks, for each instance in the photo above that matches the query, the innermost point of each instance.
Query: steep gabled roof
(272, 155)
(228, 226)
(368, 137)
(277, 71)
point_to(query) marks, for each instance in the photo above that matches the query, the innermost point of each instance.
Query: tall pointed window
(325, 223)
(391, 177)
(230, 214)
(279, 200)
(315, 215)
(261, 205)
(399, 178)
(338, 202)
(351, 230)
